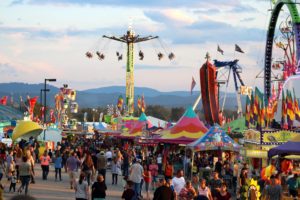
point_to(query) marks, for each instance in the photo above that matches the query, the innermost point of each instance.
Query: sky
(49, 38)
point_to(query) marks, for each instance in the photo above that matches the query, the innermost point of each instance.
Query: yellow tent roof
(26, 129)
(296, 138)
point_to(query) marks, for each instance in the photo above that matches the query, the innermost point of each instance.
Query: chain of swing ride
(101, 55)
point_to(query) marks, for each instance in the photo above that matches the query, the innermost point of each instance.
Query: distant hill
(109, 95)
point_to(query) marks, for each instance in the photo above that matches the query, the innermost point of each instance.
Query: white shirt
(178, 184)
(81, 190)
(136, 173)
(108, 154)
(159, 160)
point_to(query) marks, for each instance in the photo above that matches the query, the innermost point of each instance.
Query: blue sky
(48, 38)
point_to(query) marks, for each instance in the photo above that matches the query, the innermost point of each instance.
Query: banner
(32, 102)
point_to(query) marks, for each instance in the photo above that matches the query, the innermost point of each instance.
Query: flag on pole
(193, 85)
(283, 110)
(139, 102)
(290, 108)
(220, 50)
(238, 49)
(3, 100)
(143, 104)
(248, 111)
(120, 102)
(296, 107)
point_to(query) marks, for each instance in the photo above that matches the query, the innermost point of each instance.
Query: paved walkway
(51, 190)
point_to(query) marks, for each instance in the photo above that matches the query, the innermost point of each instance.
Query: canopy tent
(99, 126)
(236, 126)
(137, 129)
(186, 130)
(26, 129)
(292, 147)
(214, 139)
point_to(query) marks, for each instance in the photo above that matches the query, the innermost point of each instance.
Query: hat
(138, 160)
(102, 153)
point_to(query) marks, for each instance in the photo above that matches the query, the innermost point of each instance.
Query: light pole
(45, 100)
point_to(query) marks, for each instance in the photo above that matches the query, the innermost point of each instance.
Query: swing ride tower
(130, 39)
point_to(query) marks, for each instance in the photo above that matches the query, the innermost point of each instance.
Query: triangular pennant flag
(220, 50)
(238, 49)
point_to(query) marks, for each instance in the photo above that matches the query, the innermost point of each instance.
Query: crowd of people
(161, 172)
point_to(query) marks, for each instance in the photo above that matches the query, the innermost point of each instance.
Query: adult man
(273, 191)
(136, 175)
(72, 166)
(163, 191)
(178, 181)
(101, 164)
(293, 184)
(215, 184)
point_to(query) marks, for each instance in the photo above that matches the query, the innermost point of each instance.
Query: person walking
(72, 167)
(204, 191)
(25, 171)
(163, 191)
(45, 161)
(147, 180)
(101, 164)
(88, 167)
(99, 189)
(81, 188)
(215, 184)
(13, 182)
(115, 170)
(136, 175)
(178, 182)
(58, 165)
(169, 170)
(153, 167)
(273, 191)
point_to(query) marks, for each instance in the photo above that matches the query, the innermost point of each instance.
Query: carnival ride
(130, 39)
(212, 76)
(65, 104)
(288, 40)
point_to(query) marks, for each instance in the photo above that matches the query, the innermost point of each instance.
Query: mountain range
(109, 95)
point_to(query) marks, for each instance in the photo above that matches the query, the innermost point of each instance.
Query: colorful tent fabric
(187, 129)
(292, 147)
(26, 129)
(215, 139)
(138, 127)
(236, 126)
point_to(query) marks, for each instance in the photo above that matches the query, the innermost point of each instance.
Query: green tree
(176, 113)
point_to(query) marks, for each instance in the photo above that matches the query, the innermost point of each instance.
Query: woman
(169, 170)
(45, 160)
(153, 167)
(25, 171)
(195, 182)
(187, 192)
(88, 167)
(223, 194)
(115, 170)
(18, 162)
(147, 180)
(99, 188)
(204, 191)
(81, 188)
(30, 160)
(58, 165)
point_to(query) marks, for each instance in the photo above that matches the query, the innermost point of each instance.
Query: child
(13, 181)
(129, 193)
